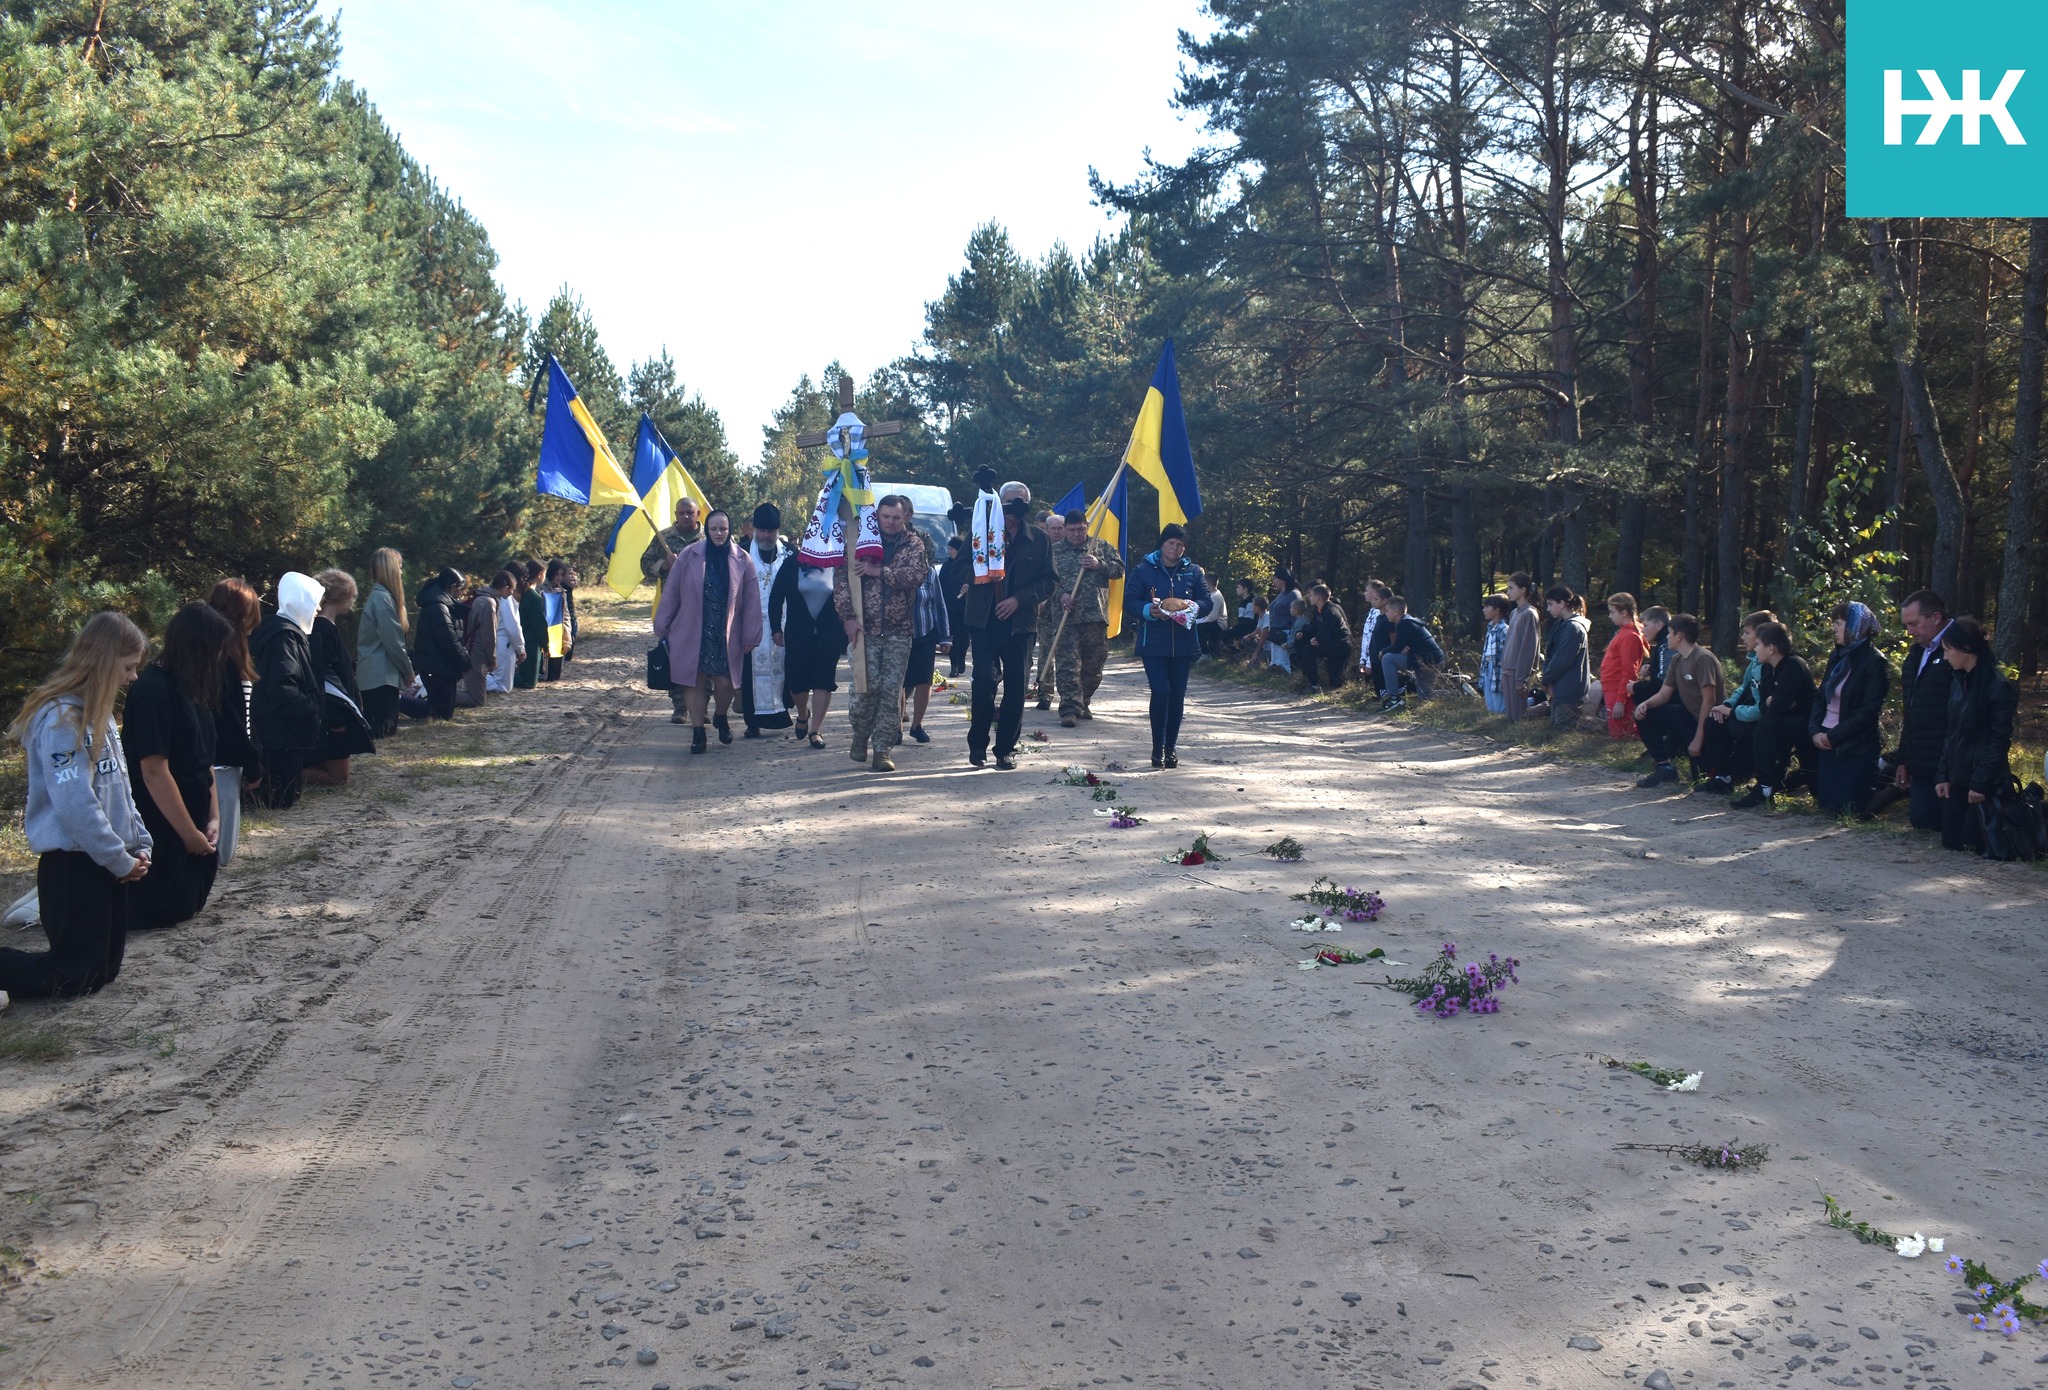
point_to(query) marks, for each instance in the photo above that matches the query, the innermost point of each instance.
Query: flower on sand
(1937, 1243)
(1954, 1264)
(1911, 1247)
(1691, 1083)
(2041, 1269)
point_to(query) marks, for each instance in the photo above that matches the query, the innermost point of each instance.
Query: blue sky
(764, 187)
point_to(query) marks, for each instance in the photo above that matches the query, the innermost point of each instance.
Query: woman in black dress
(807, 628)
(168, 734)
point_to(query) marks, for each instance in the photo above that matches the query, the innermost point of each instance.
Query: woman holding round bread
(1169, 595)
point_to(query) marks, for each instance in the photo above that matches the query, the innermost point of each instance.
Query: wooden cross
(850, 526)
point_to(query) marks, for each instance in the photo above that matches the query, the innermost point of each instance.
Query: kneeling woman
(710, 616)
(1170, 595)
(168, 729)
(81, 815)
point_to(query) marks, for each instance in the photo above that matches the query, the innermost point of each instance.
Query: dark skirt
(811, 649)
(924, 660)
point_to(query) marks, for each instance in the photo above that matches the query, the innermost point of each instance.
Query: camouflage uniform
(654, 560)
(1084, 644)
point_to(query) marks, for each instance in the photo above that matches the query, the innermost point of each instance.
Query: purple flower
(1980, 1322)
(1984, 1290)
(2041, 1269)
(1954, 1264)
(1450, 950)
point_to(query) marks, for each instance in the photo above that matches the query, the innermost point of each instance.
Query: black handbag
(2011, 823)
(657, 665)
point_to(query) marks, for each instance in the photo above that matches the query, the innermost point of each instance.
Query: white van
(932, 504)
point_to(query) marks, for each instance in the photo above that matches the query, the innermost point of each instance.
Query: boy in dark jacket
(1411, 651)
(1784, 696)
(1323, 650)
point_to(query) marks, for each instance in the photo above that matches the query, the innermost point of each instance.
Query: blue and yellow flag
(576, 464)
(660, 479)
(1159, 445)
(1114, 526)
(558, 623)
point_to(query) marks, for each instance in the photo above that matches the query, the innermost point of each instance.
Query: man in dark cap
(1002, 630)
(761, 694)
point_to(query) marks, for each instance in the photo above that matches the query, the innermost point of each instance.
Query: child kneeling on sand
(81, 816)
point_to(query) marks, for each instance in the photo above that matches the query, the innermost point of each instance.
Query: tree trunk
(2016, 581)
(1809, 383)
(1692, 565)
(1632, 519)
(1572, 561)
(1922, 425)
(1739, 413)
(1465, 576)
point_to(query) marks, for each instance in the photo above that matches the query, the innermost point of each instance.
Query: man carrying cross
(889, 591)
(1002, 628)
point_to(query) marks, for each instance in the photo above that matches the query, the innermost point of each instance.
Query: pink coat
(680, 615)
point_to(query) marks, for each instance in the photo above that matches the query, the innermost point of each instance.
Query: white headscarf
(298, 598)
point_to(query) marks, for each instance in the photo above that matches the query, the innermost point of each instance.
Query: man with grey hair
(1002, 631)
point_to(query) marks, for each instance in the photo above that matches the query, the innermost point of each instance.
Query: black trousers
(85, 915)
(441, 695)
(1729, 750)
(176, 887)
(1958, 826)
(1777, 743)
(1168, 678)
(284, 777)
(380, 708)
(1666, 730)
(1005, 657)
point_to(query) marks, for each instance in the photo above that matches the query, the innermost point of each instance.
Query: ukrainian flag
(557, 607)
(660, 479)
(1114, 526)
(575, 462)
(1075, 500)
(1159, 445)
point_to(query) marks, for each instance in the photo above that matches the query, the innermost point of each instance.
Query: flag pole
(1101, 510)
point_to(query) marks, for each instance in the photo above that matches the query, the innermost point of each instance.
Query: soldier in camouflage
(1084, 645)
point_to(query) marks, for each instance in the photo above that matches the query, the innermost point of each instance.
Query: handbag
(2011, 824)
(657, 666)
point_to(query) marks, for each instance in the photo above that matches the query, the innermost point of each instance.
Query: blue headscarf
(1859, 625)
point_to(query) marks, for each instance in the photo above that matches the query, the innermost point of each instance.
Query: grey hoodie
(78, 796)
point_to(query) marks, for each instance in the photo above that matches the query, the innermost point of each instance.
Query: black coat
(1327, 636)
(331, 660)
(285, 710)
(438, 648)
(1977, 748)
(1028, 577)
(1924, 697)
(1864, 681)
(1785, 691)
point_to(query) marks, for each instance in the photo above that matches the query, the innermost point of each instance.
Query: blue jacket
(1151, 580)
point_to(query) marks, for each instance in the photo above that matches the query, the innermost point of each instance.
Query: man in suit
(1002, 631)
(1924, 679)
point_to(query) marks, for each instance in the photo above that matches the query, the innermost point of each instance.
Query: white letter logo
(1970, 107)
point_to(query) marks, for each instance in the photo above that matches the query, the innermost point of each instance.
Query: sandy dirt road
(512, 1064)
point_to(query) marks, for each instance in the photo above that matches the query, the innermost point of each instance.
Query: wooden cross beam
(850, 527)
(819, 439)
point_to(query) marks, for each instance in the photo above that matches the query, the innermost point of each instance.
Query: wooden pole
(856, 650)
(1101, 510)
